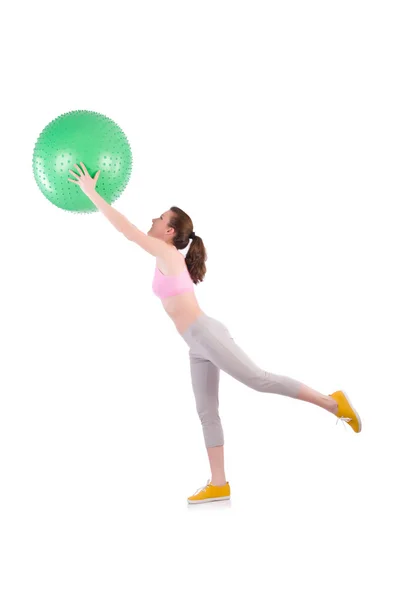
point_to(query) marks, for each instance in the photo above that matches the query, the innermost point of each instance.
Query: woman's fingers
(73, 173)
(84, 169)
(73, 181)
(79, 170)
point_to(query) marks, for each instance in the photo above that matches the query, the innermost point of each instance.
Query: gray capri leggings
(212, 348)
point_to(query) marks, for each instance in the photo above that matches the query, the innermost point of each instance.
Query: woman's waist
(183, 314)
(180, 303)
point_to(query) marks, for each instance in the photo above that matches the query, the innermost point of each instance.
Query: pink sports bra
(171, 285)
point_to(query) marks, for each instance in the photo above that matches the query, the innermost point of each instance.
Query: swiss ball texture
(81, 136)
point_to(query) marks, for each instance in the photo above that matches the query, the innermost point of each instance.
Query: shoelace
(344, 420)
(202, 488)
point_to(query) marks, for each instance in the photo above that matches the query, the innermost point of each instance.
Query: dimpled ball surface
(81, 136)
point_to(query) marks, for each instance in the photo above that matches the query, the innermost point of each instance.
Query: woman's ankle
(218, 482)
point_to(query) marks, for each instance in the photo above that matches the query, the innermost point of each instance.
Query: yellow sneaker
(210, 493)
(346, 412)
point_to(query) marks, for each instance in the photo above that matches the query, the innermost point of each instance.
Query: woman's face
(160, 228)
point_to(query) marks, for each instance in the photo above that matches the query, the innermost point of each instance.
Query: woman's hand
(86, 183)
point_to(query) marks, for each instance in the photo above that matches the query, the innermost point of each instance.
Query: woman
(212, 347)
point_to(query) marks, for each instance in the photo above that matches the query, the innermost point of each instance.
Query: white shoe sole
(208, 500)
(354, 410)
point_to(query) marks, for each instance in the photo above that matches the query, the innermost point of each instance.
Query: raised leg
(217, 345)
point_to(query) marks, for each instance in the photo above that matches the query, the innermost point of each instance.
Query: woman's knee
(208, 417)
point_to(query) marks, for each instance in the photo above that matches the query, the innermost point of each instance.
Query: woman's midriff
(183, 309)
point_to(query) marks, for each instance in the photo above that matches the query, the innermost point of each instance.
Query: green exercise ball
(87, 137)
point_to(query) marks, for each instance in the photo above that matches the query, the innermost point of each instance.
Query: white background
(273, 125)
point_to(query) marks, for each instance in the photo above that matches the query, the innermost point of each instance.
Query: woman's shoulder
(173, 264)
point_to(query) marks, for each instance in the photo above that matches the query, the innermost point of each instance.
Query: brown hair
(196, 255)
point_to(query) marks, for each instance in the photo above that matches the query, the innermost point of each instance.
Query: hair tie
(192, 235)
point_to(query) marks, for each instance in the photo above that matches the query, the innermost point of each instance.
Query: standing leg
(205, 382)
